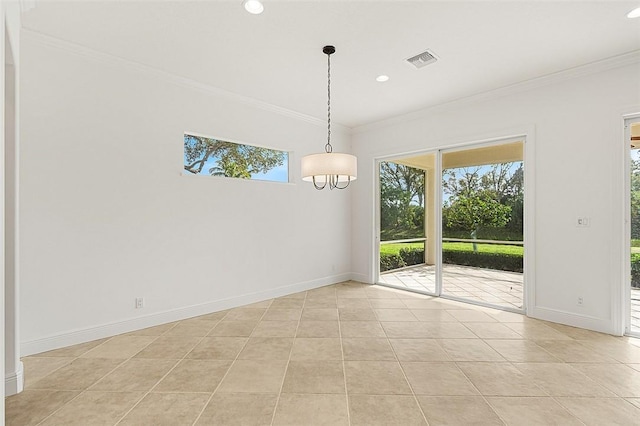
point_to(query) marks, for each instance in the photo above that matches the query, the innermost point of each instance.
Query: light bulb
(635, 13)
(255, 7)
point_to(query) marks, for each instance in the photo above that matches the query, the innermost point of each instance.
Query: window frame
(288, 160)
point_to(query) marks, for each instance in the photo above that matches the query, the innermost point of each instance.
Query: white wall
(575, 125)
(106, 215)
(12, 365)
(2, 231)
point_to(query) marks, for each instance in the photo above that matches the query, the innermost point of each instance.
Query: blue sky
(483, 170)
(277, 174)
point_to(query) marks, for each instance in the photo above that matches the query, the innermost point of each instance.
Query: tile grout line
(72, 358)
(545, 393)
(404, 374)
(344, 367)
(178, 361)
(566, 409)
(286, 369)
(83, 391)
(230, 366)
(484, 398)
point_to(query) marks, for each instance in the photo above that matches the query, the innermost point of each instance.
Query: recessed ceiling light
(382, 78)
(255, 7)
(635, 13)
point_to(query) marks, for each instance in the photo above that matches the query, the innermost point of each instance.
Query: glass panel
(482, 224)
(635, 229)
(214, 157)
(407, 223)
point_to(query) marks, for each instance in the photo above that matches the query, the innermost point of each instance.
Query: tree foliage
(635, 199)
(401, 201)
(471, 212)
(234, 160)
(481, 199)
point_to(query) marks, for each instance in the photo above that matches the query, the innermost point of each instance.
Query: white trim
(360, 278)
(528, 285)
(3, 29)
(523, 86)
(525, 134)
(214, 178)
(111, 329)
(438, 210)
(375, 267)
(14, 382)
(572, 319)
(105, 58)
(621, 292)
(27, 5)
(529, 221)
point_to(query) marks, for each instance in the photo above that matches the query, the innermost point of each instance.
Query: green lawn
(482, 248)
(485, 248)
(395, 248)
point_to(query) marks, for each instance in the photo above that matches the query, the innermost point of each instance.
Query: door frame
(527, 136)
(626, 238)
(437, 201)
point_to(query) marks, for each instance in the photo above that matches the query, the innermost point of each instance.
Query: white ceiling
(277, 57)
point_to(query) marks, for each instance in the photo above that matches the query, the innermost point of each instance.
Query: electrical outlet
(580, 301)
(139, 302)
(582, 222)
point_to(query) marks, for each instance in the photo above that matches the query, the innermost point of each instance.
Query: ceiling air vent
(422, 59)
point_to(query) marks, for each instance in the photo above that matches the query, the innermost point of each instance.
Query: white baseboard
(573, 319)
(107, 330)
(360, 278)
(14, 382)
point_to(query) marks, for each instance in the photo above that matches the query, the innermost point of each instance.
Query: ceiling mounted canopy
(332, 168)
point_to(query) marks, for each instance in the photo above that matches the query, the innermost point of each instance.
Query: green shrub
(499, 261)
(412, 255)
(487, 233)
(391, 261)
(635, 270)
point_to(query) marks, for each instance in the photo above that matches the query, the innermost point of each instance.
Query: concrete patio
(499, 288)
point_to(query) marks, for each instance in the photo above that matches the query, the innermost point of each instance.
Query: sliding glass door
(408, 223)
(633, 307)
(451, 223)
(482, 225)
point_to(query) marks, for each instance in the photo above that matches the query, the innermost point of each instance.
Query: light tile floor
(347, 354)
(499, 288)
(502, 288)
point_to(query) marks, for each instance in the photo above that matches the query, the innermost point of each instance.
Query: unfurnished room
(278, 212)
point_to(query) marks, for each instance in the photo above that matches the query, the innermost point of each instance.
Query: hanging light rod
(332, 168)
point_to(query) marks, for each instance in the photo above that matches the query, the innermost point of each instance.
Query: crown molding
(106, 58)
(591, 68)
(27, 5)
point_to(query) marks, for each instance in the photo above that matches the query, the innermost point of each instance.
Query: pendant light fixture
(332, 169)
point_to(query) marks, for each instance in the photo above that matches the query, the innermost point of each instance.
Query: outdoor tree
(462, 182)
(234, 160)
(471, 212)
(401, 201)
(483, 197)
(635, 199)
